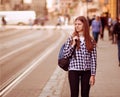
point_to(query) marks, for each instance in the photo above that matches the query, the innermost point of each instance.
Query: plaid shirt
(84, 60)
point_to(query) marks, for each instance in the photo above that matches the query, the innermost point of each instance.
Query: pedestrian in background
(90, 20)
(4, 22)
(96, 28)
(116, 30)
(109, 26)
(103, 19)
(113, 34)
(82, 65)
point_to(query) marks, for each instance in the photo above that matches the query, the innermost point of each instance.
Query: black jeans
(74, 78)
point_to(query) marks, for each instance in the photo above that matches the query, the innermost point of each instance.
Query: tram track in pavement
(18, 50)
(13, 82)
(23, 42)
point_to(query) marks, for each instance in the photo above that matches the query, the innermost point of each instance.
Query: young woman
(82, 65)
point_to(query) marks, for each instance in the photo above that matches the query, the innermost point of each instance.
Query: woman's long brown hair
(90, 43)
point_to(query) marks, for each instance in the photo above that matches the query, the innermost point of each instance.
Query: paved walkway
(108, 72)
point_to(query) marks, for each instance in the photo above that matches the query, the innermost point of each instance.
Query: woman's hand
(92, 80)
(75, 38)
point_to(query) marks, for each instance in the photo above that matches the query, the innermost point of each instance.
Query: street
(28, 64)
(28, 57)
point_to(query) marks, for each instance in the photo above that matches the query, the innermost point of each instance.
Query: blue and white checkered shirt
(84, 60)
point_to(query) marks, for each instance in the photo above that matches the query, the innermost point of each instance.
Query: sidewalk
(108, 73)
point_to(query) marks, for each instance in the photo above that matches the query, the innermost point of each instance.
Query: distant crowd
(100, 23)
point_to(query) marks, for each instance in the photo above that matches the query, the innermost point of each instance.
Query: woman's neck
(81, 33)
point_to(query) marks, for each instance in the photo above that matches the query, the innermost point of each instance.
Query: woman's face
(78, 25)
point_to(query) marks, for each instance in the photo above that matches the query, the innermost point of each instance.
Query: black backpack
(64, 62)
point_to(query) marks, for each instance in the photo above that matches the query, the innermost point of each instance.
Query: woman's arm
(68, 49)
(94, 61)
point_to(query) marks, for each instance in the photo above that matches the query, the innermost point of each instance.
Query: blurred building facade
(99, 7)
(39, 6)
(60, 6)
(111, 7)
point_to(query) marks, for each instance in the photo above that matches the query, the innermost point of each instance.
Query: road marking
(10, 33)
(33, 65)
(53, 87)
(11, 53)
(22, 39)
(24, 47)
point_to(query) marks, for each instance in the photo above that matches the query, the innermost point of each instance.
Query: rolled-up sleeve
(68, 49)
(94, 61)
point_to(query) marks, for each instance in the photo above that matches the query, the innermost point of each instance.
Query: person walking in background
(103, 19)
(113, 34)
(90, 20)
(96, 28)
(4, 22)
(116, 30)
(109, 26)
(82, 65)
(59, 22)
(30, 23)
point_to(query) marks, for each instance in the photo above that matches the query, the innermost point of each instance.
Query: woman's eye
(78, 24)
